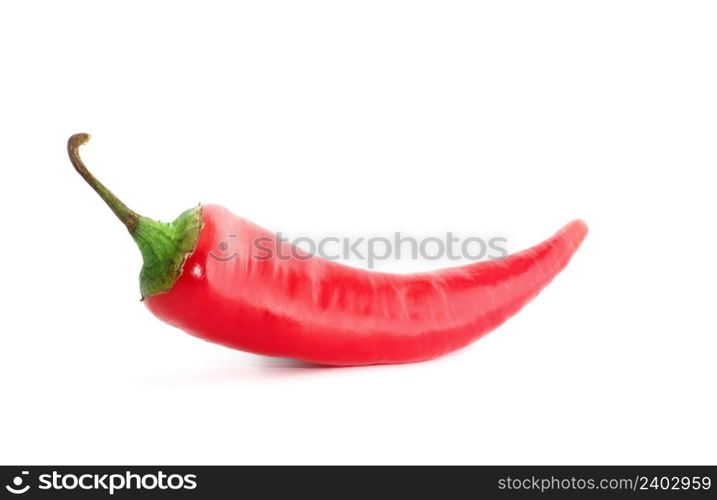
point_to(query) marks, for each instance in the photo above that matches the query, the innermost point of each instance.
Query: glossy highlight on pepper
(316, 310)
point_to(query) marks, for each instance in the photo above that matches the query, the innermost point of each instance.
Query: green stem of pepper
(128, 217)
(164, 247)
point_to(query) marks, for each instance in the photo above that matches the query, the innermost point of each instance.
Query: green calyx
(164, 247)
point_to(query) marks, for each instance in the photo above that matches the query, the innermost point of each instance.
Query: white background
(355, 118)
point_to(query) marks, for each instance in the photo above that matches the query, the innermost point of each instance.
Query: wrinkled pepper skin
(328, 313)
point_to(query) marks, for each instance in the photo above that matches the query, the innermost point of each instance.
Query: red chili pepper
(316, 310)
